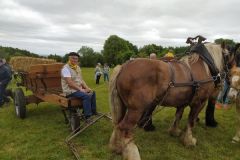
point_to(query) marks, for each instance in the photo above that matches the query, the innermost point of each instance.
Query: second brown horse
(138, 85)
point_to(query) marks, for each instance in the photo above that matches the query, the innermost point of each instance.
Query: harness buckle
(171, 84)
(196, 84)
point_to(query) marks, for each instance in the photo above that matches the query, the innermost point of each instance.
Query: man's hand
(83, 90)
(88, 90)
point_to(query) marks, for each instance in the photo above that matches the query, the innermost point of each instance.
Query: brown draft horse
(138, 85)
(234, 92)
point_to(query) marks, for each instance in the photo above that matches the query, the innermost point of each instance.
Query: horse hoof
(191, 142)
(175, 132)
(114, 149)
(149, 128)
(211, 124)
(235, 139)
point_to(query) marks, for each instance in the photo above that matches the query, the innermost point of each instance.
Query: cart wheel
(74, 120)
(20, 103)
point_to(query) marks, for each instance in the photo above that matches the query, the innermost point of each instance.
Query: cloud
(60, 26)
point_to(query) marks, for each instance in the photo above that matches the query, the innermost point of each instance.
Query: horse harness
(195, 84)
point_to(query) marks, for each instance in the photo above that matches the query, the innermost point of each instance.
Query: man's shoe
(96, 113)
(88, 120)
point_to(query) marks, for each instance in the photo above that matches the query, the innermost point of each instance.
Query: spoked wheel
(74, 120)
(20, 103)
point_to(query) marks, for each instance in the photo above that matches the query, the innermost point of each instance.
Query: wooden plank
(59, 100)
(45, 68)
(32, 99)
(45, 83)
(56, 74)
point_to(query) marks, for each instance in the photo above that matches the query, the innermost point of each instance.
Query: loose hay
(19, 63)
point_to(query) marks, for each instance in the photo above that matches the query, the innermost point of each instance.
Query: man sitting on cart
(73, 85)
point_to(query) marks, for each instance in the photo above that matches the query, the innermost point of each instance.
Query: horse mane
(215, 51)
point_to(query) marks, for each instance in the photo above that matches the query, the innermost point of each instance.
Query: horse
(234, 94)
(139, 85)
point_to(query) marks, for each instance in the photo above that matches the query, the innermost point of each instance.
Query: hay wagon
(44, 80)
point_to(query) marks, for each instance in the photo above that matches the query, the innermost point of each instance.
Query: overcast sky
(60, 26)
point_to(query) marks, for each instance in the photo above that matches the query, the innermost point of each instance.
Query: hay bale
(20, 63)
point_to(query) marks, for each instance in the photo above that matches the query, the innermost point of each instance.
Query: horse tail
(116, 105)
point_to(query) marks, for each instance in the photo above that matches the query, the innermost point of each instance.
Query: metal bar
(73, 134)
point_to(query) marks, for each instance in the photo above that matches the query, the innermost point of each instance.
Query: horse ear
(223, 45)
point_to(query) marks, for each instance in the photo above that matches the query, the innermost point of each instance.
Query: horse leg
(146, 120)
(187, 138)
(209, 114)
(236, 138)
(174, 129)
(126, 126)
(115, 143)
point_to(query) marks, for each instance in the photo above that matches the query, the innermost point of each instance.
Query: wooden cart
(45, 83)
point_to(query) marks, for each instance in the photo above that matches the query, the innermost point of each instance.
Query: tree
(56, 57)
(229, 42)
(150, 48)
(117, 50)
(180, 51)
(65, 58)
(89, 58)
(8, 52)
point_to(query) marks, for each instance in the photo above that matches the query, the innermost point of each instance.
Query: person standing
(169, 54)
(5, 78)
(153, 56)
(73, 85)
(222, 99)
(106, 70)
(98, 73)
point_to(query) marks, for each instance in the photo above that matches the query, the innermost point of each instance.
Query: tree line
(116, 50)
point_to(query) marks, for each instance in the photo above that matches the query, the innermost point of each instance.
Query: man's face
(73, 59)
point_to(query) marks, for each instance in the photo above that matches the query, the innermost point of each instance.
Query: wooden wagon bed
(44, 81)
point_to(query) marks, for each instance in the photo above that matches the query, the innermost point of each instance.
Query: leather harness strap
(193, 83)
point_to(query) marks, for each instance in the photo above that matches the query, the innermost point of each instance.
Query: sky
(60, 26)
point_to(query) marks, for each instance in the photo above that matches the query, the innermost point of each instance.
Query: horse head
(231, 55)
(234, 75)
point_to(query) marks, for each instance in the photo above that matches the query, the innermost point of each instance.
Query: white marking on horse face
(232, 93)
(234, 80)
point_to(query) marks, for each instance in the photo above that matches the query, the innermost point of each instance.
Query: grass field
(41, 135)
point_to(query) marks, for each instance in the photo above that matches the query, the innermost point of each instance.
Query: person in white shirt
(73, 85)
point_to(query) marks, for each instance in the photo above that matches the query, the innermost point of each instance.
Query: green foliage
(180, 51)
(89, 58)
(117, 50)
(56, 57)
(8, 52)
(228, 42)
(150, 48)
(65, 58)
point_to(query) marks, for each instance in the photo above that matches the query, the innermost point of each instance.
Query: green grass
(41, 135)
